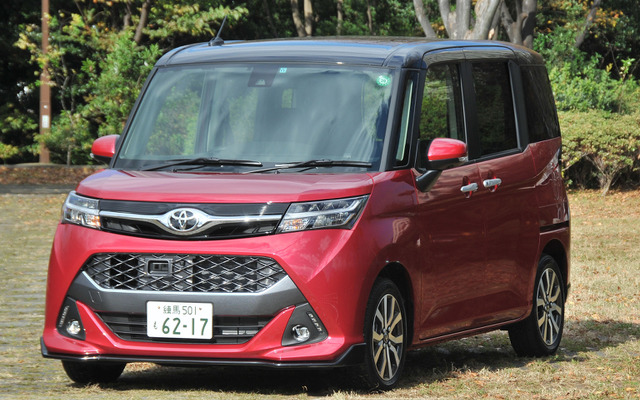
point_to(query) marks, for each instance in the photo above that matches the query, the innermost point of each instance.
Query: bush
(599, 147)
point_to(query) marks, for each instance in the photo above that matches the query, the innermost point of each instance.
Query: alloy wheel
(549, 311)
(387, 337)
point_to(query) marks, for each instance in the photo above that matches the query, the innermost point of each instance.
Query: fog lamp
(73, 327)
(301, 333)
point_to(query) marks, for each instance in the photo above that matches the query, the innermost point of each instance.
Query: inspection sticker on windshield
(383, 80)
(283, 70)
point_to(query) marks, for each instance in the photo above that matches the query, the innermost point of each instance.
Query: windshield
(269, 114)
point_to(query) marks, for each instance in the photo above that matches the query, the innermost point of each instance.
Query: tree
(303, 26)
(100, 55)
(458, 20)
(421, 16)
(520, 28)
(18, 90)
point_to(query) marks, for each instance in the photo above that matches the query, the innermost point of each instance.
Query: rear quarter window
(542, 119)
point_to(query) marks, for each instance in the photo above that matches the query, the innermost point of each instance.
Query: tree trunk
(340, 7)
(520, 30)
(459, 24)
(308, 17)
(463, 18)
(267, 11)
(126, 21)
(297, 19)
(529, 9)
(369, 18)
(144, 14)
(587, 24)
(418, 5)
(485, 11)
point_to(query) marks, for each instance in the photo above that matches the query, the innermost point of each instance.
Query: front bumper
(311, 260)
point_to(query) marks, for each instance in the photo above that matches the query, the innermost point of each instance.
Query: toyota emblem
(183, 220)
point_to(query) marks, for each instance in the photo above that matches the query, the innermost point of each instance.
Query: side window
(494, 104)
(542, 119)
(441, 112)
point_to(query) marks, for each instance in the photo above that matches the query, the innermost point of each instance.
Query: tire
(385, 333)
(92, 372)
(540, 333)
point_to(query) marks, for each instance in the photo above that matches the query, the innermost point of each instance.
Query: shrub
(599, 147)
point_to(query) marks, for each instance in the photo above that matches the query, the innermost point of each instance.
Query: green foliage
(7, 151)
(577, 79)
(19, 105)
(97, 68)
(124, 70)
(599, 147)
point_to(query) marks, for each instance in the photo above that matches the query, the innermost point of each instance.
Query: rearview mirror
(104, 148)
(440, 154)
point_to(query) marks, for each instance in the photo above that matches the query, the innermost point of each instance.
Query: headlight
(81, 210)
(340, 213)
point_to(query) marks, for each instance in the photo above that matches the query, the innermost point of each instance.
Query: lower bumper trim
(352, 357)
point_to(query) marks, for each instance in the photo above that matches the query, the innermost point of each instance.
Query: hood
(190, 187)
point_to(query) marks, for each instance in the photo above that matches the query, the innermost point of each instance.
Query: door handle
(472, 187)
(495, 182)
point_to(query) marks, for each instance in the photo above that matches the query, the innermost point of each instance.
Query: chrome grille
(184, 272)
(226, 330)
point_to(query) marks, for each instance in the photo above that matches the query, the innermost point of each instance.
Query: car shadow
(582, 340)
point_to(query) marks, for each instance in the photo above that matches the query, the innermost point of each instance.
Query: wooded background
(102, 50)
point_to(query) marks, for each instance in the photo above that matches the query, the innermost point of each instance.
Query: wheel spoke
(396, 339)
(389, 364)
(554, 296)
(395, 321)
(379, 318)
(377, 336)
(551, 283)
(392, 310)
(396, 356)
(376, 355)
(541, 320)
(556, 308)
(551, 332)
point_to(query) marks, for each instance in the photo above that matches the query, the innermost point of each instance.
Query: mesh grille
(184, 273)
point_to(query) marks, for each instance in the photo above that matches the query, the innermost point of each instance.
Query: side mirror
(440, 154)
(445, 153)
(104, 148)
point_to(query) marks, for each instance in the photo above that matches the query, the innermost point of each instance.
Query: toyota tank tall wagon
(317, 204)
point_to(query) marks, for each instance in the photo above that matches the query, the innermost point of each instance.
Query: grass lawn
(599, 356)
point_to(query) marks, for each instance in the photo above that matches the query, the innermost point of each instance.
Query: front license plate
(179, 320)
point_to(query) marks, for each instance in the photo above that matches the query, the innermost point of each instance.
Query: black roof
(370, 51)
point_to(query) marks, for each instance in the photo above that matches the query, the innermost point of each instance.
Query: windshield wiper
(313, 164)
(202, 162)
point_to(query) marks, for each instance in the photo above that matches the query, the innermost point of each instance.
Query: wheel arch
(398, 274)
(556, 250)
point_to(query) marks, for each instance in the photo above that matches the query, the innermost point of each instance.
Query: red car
(317, 203)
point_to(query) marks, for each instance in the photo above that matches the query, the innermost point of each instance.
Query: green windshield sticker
(283, 70)
(383, 80)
